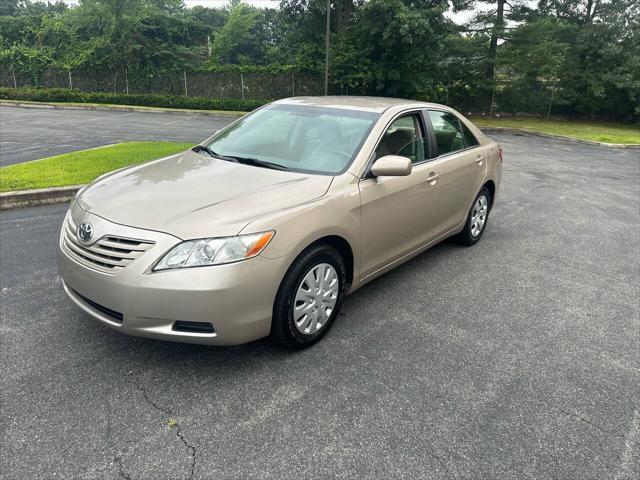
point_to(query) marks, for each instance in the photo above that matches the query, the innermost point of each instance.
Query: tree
(601, 73)
(573, 11)
(302, 37)
(241, 40)
(535, 55)
(489, 27)
(8, 7)
(573, 57)
(382, 51)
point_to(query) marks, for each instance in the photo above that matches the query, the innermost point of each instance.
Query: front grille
(112, 314)
(109, 254)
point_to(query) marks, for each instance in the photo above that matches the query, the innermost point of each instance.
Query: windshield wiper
(259, 163)
(244, 160)
(211, 153)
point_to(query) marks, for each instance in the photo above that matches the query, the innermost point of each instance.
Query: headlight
(214, 251)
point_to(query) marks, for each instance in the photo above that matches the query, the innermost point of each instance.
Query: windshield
(306, 139)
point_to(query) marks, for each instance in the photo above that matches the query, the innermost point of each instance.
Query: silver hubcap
(479, 215)
(316, 298)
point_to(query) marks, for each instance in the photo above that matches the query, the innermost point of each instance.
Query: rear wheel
(309, 297)
(476, 219)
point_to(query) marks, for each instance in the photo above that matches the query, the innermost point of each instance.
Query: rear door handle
(433, 177)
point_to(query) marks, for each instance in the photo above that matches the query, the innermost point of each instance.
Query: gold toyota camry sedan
(265, 227)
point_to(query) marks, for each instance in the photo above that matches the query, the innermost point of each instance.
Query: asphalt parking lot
(32, 133)
(517, 358)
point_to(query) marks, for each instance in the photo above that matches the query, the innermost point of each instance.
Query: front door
(398, 212)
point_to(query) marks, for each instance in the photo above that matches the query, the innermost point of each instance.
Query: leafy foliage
(569, 57)
(241, 39)
(169, 101)
(383, 47)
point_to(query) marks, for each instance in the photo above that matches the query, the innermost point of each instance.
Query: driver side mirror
(391, 166)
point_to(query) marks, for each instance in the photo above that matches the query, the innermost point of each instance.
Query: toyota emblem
(85, 232)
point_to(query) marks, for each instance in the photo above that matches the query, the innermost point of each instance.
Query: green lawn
(607, 132)
(81, 167)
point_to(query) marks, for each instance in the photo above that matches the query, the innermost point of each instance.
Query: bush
(169, 101)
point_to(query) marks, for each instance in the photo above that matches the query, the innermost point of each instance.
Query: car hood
(192, 196)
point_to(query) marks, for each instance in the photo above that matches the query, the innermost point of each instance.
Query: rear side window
(448, 132)
(470, 139)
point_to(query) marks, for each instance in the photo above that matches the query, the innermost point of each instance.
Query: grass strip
(82, 167)
(606, 132)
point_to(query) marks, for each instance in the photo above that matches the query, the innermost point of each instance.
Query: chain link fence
(236, 85)
(509, 97)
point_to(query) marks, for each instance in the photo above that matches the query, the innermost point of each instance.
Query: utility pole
(326, 50)
(184, 74)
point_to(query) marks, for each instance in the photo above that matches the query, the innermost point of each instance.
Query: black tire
(466, 236)
(283, 329)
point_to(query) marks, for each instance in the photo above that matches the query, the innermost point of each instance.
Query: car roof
(370, 104)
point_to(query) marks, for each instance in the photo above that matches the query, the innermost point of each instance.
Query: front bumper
(236, 299)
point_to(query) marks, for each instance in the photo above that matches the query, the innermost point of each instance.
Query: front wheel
(476, 219)
(309, 297)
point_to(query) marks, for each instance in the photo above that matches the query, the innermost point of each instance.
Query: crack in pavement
(179, 434)
(589, 422)
(631, 443)
(149, 400)
(191, 448)
(446, 469)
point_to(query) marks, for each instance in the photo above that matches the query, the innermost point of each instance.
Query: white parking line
(108, 116)
(32, 147)
(18, 115)
(178, 121)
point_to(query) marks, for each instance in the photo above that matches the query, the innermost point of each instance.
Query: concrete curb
(533, 133)
(120, 108)
(41, 196)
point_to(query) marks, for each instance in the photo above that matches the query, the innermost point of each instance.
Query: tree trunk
(592, 10)
(496, 32)
(344, 12)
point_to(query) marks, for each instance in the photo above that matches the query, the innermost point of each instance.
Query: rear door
(461, 164)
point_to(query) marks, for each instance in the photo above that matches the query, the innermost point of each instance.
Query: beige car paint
(395, 211)
(214, 195)
(391, 165)
(383, 221)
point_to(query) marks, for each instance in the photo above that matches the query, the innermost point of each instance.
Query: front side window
(404, 137)
(448, 132)
(300, 138)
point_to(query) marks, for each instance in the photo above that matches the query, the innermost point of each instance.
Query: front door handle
(480, 159)
(433, 177)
